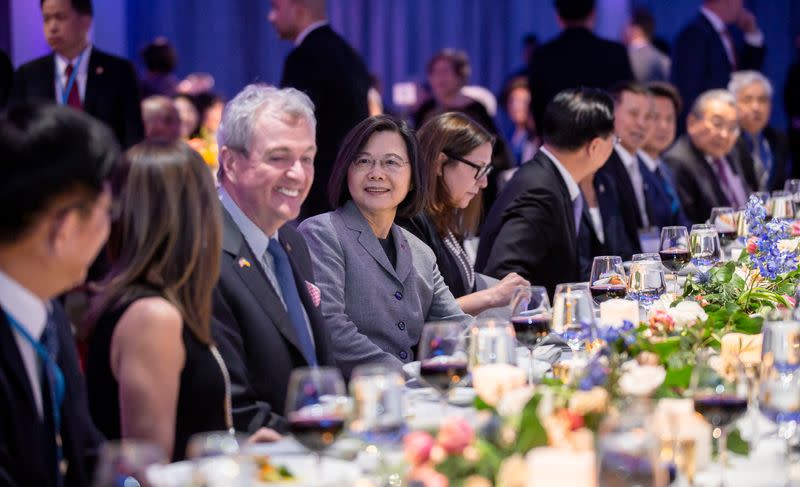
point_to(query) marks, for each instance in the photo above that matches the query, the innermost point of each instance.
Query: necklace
(226, 377)
(457, 250)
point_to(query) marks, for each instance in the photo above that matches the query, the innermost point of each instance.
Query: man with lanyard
(55, 202)
(80, 75)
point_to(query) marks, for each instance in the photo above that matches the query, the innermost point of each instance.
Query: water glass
(492, 341)
(646, 282)
(377, 392)
(704, 247)
(214, 444)
(124, 462)
(779, 385)
(573, 315)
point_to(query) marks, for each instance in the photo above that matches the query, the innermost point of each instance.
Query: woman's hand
(264, 435)
(503, 291)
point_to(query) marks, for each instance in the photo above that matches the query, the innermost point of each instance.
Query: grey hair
(721, 95)
(241, 114)
(741, 79)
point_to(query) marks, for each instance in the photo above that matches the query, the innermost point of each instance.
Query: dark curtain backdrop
(235, 43)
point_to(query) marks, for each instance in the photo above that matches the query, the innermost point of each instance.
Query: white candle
(561, 466)
(614, 311)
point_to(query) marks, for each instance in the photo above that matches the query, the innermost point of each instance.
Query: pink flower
(417, 447)
(795, 228)
(428, 476)
(454, 435)
(661, 322)
(790, 300)
(751, 245)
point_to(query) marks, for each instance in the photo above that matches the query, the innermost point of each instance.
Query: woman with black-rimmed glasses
(456, 153)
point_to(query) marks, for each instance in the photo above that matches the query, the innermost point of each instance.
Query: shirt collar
(304, 33)
(83, 67)
(254, 236)
(716, 22)
(628, 159)
(649, 162)
(572, 186)
(25, 307)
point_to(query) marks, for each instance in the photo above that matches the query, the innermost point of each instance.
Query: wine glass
(214, 444)
(704, 247)
(646, 282)
(792, 186)
(443, 360)
(607, 280)
(783, 207)
(674, 250)
(316, 409)
(492, 341)
(723, 219)
(718, 388)
(779, 386)
(531, 315)
(573, 316)
(124, 462)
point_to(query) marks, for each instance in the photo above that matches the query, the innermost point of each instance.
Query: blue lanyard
(75, 66)
(58, 388)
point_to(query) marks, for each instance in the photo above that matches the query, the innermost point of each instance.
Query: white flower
(788, 244)
(641, 380)
(685, 313)
(493, 381)
(514, 401)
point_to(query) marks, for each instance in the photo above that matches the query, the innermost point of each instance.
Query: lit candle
(614, 311)
(561, 466)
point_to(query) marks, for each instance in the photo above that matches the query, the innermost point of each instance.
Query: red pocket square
(316, 296)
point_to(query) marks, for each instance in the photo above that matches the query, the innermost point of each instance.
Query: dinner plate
(228, 471)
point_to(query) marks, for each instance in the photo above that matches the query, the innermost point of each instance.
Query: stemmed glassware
(779, 382)
(607, 279)
(531, 315)
(704, 247)
(674, 250)
(573, 315)
(718, 388)
(443, 358)
(723, 219)
(316, 407)
(124, 462)
(646, 282)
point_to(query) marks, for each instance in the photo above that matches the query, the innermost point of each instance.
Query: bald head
(161, 118)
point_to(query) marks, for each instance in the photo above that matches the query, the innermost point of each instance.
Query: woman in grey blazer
(379, 283)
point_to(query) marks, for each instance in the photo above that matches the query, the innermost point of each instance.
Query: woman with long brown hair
(153, 371)
(456, 153)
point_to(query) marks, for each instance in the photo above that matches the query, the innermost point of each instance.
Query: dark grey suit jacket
(375, 311)
(253, 330)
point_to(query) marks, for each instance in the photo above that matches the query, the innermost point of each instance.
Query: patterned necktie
(74, 98)
(725, 183)
(294, 306)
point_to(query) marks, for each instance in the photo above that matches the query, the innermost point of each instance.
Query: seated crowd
(207, 291)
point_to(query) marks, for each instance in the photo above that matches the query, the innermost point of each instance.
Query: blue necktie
(283, 271)
(577, 209)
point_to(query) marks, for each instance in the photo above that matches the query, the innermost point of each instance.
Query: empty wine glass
(704, 247)
(124, 462)
(723, 219)
(779, 387)
(573, 315)
(492, 341)
(607, 279)
(646, 282)
(718, 388)
(531, 315)
(674, 250)
(443, 360)
(316, 407)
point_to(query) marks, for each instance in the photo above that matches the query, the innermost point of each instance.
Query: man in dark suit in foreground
(577, 57)
(54, 217)
(80, 75)
(266, 306)
(532, 228)
(331, 73)
(722, 38)
(707, 172)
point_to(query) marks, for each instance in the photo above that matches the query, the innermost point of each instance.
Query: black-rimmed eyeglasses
(481, 170)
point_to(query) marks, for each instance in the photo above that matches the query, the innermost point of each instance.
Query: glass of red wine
(443, 357)
(531, 315)
(316, 407)
(718, 388)
(607, 279)
(674, 250)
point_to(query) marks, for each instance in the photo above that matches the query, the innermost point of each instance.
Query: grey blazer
(373, 311)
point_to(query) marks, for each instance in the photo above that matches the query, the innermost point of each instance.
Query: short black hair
(643, 18)
(577, 116)
(662, 89)
(574, 10)
(160, 56)
(83, 7)
(620, 87)
(49, 151)
(354, 142)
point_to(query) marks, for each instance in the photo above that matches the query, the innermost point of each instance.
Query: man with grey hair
(266, 308)
(763, 150)
(707, 173)
(331, 73)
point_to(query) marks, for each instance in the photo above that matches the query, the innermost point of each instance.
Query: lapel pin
(288, 247)
(244, 262)
(99, 70)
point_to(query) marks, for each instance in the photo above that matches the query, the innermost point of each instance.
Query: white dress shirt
(80, 78)
(30, 312)
(572, 186)
(632, 168)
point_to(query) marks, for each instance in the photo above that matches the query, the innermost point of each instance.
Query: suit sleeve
(689, 65)
(350, 346)
(685, 187)
(131, 107)
(520, 244)
(444, 306)
(751, 57)
(18, 84)
(249, 412)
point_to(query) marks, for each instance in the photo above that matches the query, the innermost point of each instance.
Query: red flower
(751, 245)
(417, 447)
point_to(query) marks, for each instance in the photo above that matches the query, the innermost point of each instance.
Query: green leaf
(456, 468)
(736, 444)
(532, 434)
(679, 377)
(666, 348)
(481, 405)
